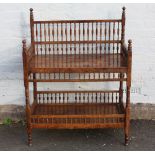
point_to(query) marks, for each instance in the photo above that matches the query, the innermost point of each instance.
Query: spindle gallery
(78, 51)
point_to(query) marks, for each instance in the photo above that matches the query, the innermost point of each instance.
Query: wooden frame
(77, 51)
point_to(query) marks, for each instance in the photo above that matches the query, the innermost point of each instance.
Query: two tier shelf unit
(77, 51)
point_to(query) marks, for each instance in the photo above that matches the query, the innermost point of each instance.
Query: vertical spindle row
(109, 44)
(88, 38)
(61, 31)
(79, 44)
(41, 38)
(49, 38)
(92, 43)
(113, 42)
(53, 44)
(45, 38)
(118, 33)
(100, 39)
(105, 49)
(83, 40)
(36, 28)
(57, 45)
(75, 44)
(68, 32)
(71, 54)
(96, 39)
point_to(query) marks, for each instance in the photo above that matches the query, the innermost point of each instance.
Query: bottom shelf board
(77, 109)
(77, 115)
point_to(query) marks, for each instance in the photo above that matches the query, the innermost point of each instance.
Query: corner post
(123, 26)
(129, 61)
(27, 99)
(122, 42)
(32, 42)
(31, 25)
(127, 116)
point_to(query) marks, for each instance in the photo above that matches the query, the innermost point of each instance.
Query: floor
(142, 138)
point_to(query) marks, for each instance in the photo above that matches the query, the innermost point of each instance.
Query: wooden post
(129, 61)
(122, 42)
(31, 25)
(127, 117)
(32, 42)
(123, 25)
(27, 100)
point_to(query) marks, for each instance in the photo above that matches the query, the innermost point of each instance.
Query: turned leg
(127, 117)
(121, 91)
(27, 100)
(126, 132)
(29, 133)
(28, 115)
(127, 110)
(34, 88)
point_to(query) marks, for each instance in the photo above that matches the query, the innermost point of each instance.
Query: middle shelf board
(77, 77)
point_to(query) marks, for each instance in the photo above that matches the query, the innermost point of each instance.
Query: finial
(31, 14)
(24, 43)
(123, 8)
(123, 25)
(123, 12)
(130, 45)
(31, 10)
(130, 41)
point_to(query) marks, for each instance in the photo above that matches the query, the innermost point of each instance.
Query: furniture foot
(29, 132)
(126, 140)
(30, 144)
(127, 118)
(29, 140)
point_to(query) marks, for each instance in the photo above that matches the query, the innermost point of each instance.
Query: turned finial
(31, 9)
(24, 43)
(123, 8)
(31, 13)
(123, 25)
(123, 13)
(130, 45)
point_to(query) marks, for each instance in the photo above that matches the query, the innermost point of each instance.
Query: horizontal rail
(79, 91)
(79, 70)
(77, 80)
(79, 116)
(77, 104)
(79, 42)
(77, 21)
(78, 126)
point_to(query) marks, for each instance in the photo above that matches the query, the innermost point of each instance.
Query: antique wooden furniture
(78, 51)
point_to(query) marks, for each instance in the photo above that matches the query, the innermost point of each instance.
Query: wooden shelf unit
(77, 51)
